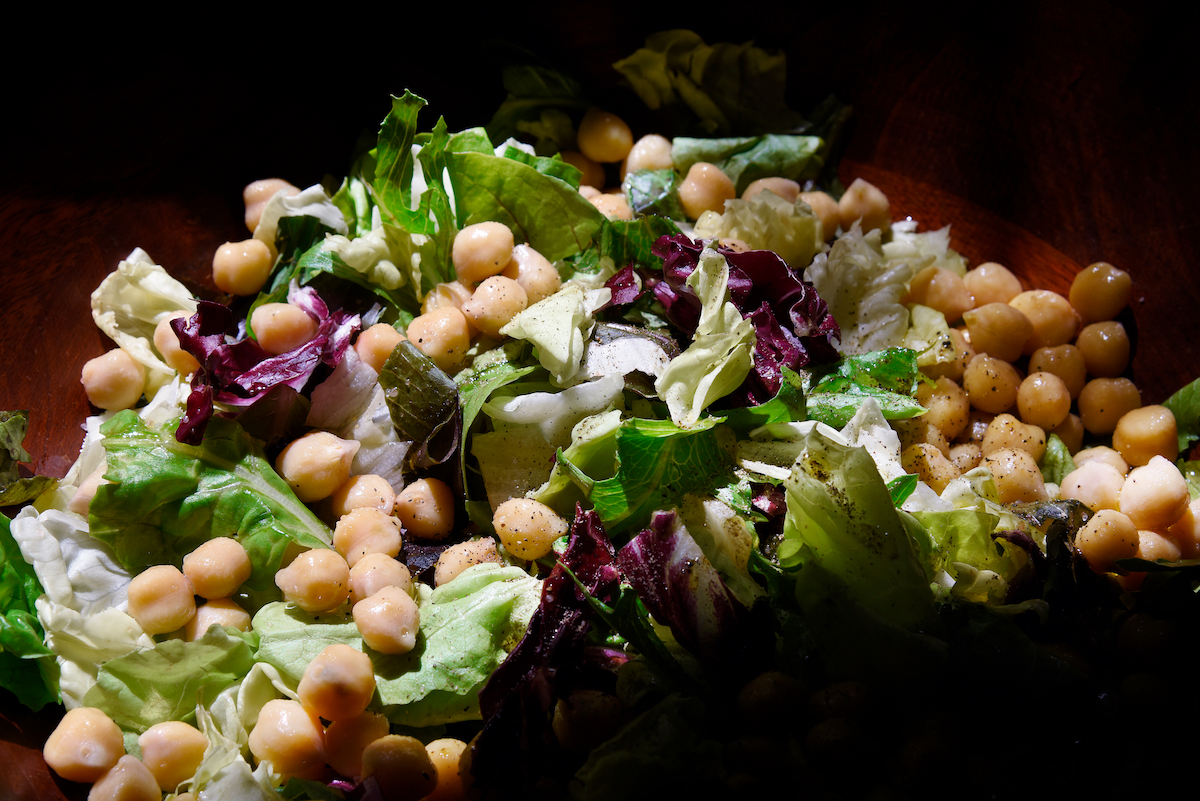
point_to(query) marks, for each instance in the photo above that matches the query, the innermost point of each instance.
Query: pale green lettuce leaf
(557, 326)
(923, 249)
(929, 336)
(767, 222)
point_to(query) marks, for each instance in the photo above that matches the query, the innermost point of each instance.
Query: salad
(752, 554)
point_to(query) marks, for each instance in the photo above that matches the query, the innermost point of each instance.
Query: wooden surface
(1049, 138)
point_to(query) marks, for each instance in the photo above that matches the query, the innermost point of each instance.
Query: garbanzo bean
(1100, 291)
(785, 188)
(864, 201)
(1064, 361)
(992, 283)
(257, 193)
(612, 205)
(376, 343)
(1104, 454)
(603, 136)
(242, 268)
(998, 329)
(338, 683)
(317, 580)
(445, 754)
(1043, 400)
(1105, 348)
(221, 611)
(929, 464)
(493, 303)
(172, 751)
(1146, 432)
(82, 498)
(167, 345)
(366, 530)
(528, 528)
(1017, 476)
(481, 250)
(949, 408)
(534, 272)
(1185, 532)
(374, 572)
(401, 766)
(977, 425)
(705, 188)
(1095, 483)
(459, 557)
(426, 508)
(128, 780)
(991, 384)
(84, 745)
(826, 209)
(388, 620)
(966, 456)
(442, 335)
(651, 152)
(591, 172)
(918, 430)
(281, 327)
(363, 491)
(448, 293)
(1006, 431)
(217, 567)
(1153, 546)
(1070, 431)
(1054, 320)
(1108, 536)
(943, 290)
(345, 741)
(161, 599)
(316, 464)
(113, 380)
(1104, 401)
(290, 737)
(1154, 495)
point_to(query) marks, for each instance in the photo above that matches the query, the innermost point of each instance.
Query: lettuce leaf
(26, 665)
(16, 489)
(746, 159)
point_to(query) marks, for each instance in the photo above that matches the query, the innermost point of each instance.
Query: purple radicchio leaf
(514, 747)
(626, 287)
(682, 589)
(239, 372)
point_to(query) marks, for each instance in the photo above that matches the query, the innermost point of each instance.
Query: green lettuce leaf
(746, 159)
(16, 489)
(1185, 405)
(27, 667)
(424, 405)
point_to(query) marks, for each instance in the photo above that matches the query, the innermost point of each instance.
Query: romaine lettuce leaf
(746, 159)
(27, 666)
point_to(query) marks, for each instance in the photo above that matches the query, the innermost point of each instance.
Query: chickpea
(943, 290)
(1095, 483)
(1054, 320)
(338, 683)
(1064, 361)
(767, 697)
(1043, 400)
(445, 754)
(1104, 401)
(316, 464)
(363, 491)
(242, 268)
(161, 599)
(167, 344)
(443, 336)
(114, 380)
(401, 767)
(998, 329)
(1105, 348)
(992, 283)
(930, 465)
(220, 611)
(613, 205)
(448, 293)
(374, 572)
(588, 192)
(705, 188)
(388, 621)
(1102, 453)
(1185, 531)
(1108, 536)
(528, 528)
(257, 193)
(1154, 495)
(1006, 431)
(481, 250)
(991, 384)
(172, 750)
(458, 558)
(84, 745)
(128, 780)
(1100, 291)
(966, 456)
(281, 327)
(919, 430)
(1017, 476)
(977, 426)
(827, 211)
(82, 498)
(426, 508)
(366, 530)
(376, 343)
(317, 580)
(651, 152)
(603, 137)
(217, 568)
(785, 188)
(585, 719)
(949, 408)
(288, 736)
(494, 302)
(534, 272)
(1070, 431)
(1153, 546)
(591, 172)
(1146, 432)
(864, 201)
(345, 741)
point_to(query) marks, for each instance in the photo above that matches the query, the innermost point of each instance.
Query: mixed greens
(716, 424)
